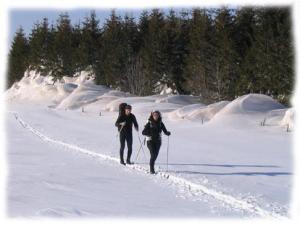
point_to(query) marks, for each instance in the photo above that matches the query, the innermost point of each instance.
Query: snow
(35, 88)
(84, 94)
(179, 99)
(51, 182)
(251, 103)
(288, 119)
(222, 161)
(198, 111)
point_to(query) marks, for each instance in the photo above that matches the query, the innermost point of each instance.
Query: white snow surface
(288, 119)
(63, 160)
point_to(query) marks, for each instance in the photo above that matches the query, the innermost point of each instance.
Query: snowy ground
(222, 163)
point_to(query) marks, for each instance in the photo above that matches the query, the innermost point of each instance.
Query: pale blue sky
(26, 18)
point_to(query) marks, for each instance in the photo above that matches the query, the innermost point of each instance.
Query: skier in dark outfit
(124, 124)
(153, 132)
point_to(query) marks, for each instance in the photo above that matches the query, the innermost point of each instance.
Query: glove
(168, 133)
(123, 124)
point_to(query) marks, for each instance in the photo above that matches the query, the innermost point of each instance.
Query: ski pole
(121, 129)
(168, 154)
(137, 155)
(145, 158)
(118, 134)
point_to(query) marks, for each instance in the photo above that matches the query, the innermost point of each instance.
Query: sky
(27, 18)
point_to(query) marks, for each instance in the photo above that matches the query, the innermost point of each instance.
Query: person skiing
(152, 131)
(124, 123)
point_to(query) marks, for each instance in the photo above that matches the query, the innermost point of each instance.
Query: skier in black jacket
(153, 132)
(124, 124)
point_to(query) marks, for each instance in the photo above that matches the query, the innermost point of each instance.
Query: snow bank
(115, 93)
(250, 103)
(246, 111)
(198, 112)
(101, 101)
(80, 90)
(143, 105)
(86, 93)
(179, 99)
(288, 119)
(182, 112)
(273, 117)
(67, 93)
(280, 117)
(208, 112)
(36, 88)
(148, 107)
(114, 105)
(79, 78)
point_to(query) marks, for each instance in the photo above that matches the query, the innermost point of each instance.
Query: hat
(156, 111)
(128, 107)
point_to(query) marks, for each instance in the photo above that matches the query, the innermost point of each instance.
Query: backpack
(122, 109)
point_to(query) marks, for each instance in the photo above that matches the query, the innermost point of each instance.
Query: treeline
(215, 53)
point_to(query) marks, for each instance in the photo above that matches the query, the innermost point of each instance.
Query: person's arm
(135, 122)
(119, 123)
(168, 133)
(146, 130)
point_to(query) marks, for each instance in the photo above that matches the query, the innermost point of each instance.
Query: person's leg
(122, 146)
(129, 146)
(150, 146)
(156, 147)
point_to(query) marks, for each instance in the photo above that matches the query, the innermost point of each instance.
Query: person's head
(155, 115)
(128, 110)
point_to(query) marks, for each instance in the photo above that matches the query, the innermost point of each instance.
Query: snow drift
(198, 112)
(288, 119)
(251, 103)
(179, 99)
(80, 90)
(86, 93)
(221, 169)
(36, 88)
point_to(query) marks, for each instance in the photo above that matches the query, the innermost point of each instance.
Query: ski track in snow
(193, 188)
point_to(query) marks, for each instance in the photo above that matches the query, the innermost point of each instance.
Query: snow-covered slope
(80, 91)
(84, 94)
(288, 119)
(251, 103)
(246, 111)
(222, 161)
(198, 112)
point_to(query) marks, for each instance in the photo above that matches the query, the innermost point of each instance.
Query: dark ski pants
(153, 147)
(128, 138)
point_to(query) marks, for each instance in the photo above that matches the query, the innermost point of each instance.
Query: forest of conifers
(218, 53)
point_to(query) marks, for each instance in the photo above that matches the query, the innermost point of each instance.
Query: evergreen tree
(199, 62)
(79, 62)
(131, 45)
(176, 48)
(273, 53)
(40, 46)
(63, 47)
(141, 82)
(217, 54)
(153, 50)
(91, 46)
(225, 56)
(244, 37)
(17, 58)
(111, 54)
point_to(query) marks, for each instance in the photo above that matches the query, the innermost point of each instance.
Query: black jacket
(153, 129)
(129, 121)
